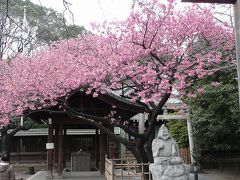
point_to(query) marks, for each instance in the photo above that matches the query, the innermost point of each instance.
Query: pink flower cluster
(157, 49)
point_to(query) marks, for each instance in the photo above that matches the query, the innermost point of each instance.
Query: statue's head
(163, 133)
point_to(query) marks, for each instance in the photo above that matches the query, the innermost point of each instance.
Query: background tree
(178, 130)
(215, 112)
(158, 49)
(41, 26)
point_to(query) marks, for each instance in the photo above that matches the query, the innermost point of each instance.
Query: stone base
(49, 175)
(169, 172)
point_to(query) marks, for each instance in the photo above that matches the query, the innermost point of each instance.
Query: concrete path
(91, 175)
(216, 175)
(96, 176)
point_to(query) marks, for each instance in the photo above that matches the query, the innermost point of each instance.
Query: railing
(109, 169)
(126, 169)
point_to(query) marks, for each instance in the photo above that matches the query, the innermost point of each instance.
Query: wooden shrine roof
(100, 106)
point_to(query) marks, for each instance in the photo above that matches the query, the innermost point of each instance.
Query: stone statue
(167, 164)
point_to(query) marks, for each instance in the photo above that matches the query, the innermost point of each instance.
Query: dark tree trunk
(5, 140)
(6, 137)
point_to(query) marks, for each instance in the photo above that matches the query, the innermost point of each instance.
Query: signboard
(211, 1)
(49, 146)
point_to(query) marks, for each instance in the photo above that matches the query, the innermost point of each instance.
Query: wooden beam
(211, 1)
(169, 117)
(73, 121)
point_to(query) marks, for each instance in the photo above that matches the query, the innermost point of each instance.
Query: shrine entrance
(87, 153)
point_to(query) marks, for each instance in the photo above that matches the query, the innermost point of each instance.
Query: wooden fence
(185, 155)
(128, 169)
(30, 148)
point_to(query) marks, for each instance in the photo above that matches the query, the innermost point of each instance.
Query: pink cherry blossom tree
(156, 51)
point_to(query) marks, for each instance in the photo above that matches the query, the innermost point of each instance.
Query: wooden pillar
(56, 144)
(111, 145)
(102, 152)
(64, 147)
(50, 147)
(60, 150)
(97, 148)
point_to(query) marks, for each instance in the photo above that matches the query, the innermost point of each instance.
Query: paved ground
(217, 175)
(207, 175)
(23, 176)
(92, 175)
(22, 172)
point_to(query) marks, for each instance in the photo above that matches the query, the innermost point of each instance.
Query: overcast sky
(86, 11)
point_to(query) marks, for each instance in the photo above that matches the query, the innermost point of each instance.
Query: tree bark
(5, 140)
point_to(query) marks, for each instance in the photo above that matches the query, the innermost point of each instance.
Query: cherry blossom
(156, 50)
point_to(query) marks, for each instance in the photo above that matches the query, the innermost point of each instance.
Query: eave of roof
(121, 102)
(44, 132)
(122, 107)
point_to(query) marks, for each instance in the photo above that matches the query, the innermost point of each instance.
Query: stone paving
(217, 175)
(207, 175)
(91, 175)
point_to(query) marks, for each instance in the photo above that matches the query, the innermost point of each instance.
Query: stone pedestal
(169, 172)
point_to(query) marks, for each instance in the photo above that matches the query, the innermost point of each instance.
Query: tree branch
(145, 105)
(71, 111)
(24, 128)
(103, 128)
(153, 119)
(157, 58)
